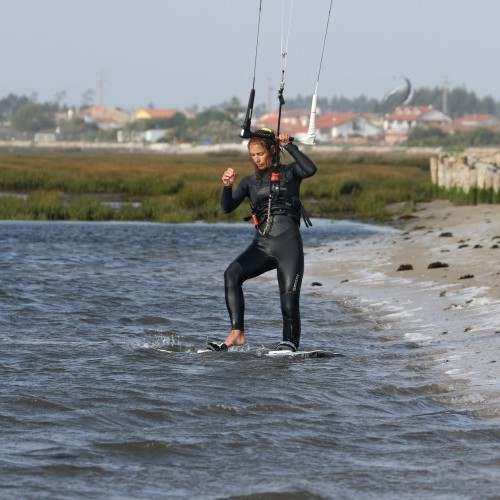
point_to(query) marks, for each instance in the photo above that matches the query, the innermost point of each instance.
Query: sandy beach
(433, 282)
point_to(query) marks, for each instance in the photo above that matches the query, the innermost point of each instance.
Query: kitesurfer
(274, 194)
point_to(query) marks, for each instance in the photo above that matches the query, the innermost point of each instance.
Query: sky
(180, 53)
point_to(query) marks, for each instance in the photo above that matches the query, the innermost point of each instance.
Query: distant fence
(464, 179)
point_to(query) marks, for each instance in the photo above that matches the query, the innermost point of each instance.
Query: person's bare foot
(236, 337)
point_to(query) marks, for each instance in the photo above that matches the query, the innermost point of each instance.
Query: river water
(104, 396)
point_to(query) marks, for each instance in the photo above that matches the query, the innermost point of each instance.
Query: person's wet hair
(264, 136)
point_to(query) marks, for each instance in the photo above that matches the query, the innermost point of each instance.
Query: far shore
(436, 283)
(187, 148)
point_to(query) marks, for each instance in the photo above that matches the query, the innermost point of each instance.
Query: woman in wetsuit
(276, 210)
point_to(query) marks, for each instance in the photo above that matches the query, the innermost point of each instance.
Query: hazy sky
(176, 53)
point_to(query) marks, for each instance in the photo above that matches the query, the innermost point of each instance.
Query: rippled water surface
(104, 396)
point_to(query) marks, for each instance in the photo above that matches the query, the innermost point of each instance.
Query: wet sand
(434, 282)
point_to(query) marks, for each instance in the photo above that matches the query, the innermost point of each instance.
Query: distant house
(398, 124)
(404, 118)
(469, 122)
(154, 135)
(293, 121)
(105, 117)
(329, 127)
(346, 126)
(150, 136)
(154, 114)
(45, 137)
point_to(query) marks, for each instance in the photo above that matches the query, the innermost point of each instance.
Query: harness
(277, 204)
(292, 208)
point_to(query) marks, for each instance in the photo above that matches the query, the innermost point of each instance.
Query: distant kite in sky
(398, 96)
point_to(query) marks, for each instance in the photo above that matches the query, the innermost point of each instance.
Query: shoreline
(436, 283)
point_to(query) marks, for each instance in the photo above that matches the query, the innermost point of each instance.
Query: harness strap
(305, 217)
(263, 212)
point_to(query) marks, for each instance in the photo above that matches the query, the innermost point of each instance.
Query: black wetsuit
(280, 249)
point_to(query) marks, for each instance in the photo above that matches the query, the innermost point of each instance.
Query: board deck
(318, 353)
(304, 354)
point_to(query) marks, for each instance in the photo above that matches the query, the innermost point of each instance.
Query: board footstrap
(213, 346)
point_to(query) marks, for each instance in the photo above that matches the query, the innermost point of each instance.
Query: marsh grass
(473, 197)
(184, 188)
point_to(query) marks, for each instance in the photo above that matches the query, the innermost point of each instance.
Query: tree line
(23, 116)
(459, 102)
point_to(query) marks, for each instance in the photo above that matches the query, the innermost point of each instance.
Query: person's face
(261, 157)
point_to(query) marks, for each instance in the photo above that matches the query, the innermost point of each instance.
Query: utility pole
(100, 88)
(270, 90)
(445, 95)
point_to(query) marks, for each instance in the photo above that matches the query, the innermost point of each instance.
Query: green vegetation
(473, 197)
(21, 117)
(363, 186)
(184, 188)
(434, 137)
(460, 102)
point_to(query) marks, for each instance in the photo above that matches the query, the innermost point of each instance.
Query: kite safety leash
(284, 53)
(311, 131)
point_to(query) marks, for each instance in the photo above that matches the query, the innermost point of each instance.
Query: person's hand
(228, 177)
(284, 139)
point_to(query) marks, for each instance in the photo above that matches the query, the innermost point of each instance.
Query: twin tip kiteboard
(303, 354)
(317, 353)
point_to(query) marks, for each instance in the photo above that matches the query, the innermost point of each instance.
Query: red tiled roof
(104, 114)
(97, 111)
(158, 113)
(408, 113)
(334, 119)
(467, 122)
(476, 119)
